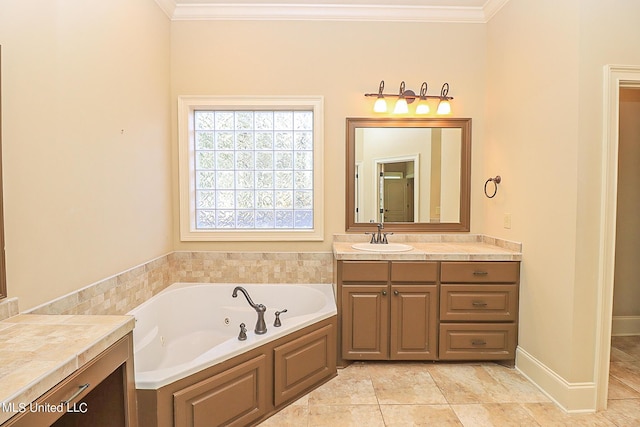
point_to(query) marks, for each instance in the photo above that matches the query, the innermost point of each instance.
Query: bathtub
(189, 327)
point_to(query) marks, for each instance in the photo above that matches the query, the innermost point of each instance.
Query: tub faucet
(261, 326)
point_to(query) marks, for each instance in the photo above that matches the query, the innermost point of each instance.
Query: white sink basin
(389, 247)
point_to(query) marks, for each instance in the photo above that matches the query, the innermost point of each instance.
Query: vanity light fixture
(407, 96)
(423, 106)
(444, 107)
(381, 104)
(402, 107)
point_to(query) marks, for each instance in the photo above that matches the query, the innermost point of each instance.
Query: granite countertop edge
(441, 247)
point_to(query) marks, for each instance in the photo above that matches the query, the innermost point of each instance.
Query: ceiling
(479, 11)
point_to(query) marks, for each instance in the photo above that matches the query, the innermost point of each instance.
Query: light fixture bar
(410, 95)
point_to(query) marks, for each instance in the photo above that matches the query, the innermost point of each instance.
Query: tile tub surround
(253, 267)
(39, 351)
(121, 293)
(432, 247)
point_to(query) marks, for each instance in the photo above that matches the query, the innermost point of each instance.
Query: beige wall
(546, 60)
(532, 144)
(340, 61)
(626, 297)
(85, 87)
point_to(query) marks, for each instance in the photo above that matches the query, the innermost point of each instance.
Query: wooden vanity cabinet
(389, 310)
(478, 310)
(428, 310)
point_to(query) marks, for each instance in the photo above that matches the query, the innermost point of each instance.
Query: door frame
(615, 77)
(415, 158)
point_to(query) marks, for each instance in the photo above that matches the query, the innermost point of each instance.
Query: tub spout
(261, 326)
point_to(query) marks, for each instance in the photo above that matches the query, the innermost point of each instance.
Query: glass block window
(250, 169)
(253, 169)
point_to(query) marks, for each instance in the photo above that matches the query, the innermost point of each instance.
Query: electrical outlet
(507, 220)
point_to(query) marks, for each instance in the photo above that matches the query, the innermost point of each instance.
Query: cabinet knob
(396, 293)
(384, 293)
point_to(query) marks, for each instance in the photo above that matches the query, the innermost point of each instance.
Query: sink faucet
(379, 237)
(261, 326)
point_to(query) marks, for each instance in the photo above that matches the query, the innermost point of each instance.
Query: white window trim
(186, 106)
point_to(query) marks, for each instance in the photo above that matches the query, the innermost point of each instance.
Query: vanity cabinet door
(234, 397)
(365, 317)
(303, 362)
(413, 322)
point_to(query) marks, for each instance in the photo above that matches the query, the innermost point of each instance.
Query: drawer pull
(479, 304)
(480, 273)
(79, 391)
(478, 342)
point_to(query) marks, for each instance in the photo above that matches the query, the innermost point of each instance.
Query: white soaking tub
(189, 327)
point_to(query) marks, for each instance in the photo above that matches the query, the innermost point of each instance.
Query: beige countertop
(39, 351)
(432, 247)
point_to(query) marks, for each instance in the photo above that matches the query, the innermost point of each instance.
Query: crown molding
(167, 6)
(491, 7)
(324, 12)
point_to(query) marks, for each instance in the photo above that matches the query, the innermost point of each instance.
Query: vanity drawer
(469, 341)
(480, 272)
(414, 271)
(479, 303)
(365, 271)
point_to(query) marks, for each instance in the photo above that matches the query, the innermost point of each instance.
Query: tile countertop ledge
(432, 247)
(39, 351)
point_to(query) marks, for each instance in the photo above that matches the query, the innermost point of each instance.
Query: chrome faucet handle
(243, 332)
(373, 237)
(384, 237)
(277, 322)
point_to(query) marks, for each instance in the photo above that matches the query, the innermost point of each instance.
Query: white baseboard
(625, 325)
(572, 397)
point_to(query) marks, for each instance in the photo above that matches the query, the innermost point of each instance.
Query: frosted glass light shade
(401, 106)
(444, 107)
(422, 107)
(380, 106)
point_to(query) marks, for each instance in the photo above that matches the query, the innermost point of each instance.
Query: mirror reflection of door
(397, 198)
(358, 195)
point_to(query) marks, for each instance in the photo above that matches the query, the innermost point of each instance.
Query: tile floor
(406, 394)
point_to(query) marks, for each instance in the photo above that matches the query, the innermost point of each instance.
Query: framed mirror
(412, 174)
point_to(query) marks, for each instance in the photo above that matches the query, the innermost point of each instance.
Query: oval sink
(389, 247)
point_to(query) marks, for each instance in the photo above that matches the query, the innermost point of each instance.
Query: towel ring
(495, 181)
